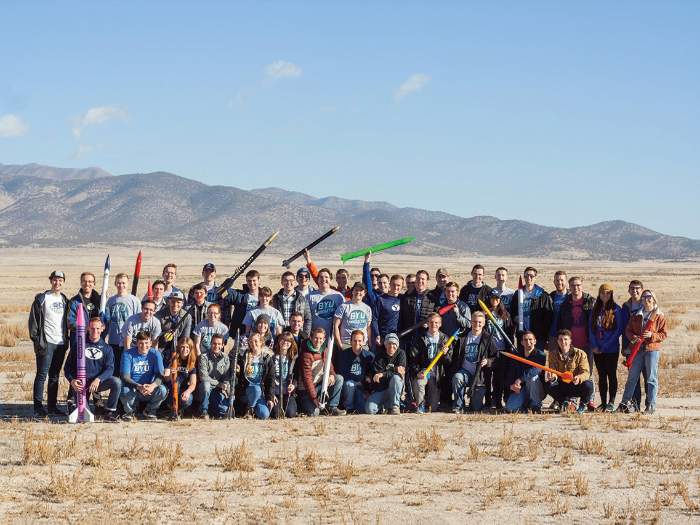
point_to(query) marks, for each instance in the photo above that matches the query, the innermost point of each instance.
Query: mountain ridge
(172, 210)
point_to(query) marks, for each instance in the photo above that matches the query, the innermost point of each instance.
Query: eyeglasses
(529, 276)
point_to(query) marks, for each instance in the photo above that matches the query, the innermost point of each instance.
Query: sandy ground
(361, 469)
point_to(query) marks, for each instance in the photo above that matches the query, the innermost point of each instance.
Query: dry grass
(239, 458)
(47, 449)
(693, 327)
(675, 359)
(427, 442)
(673, 322)
(11, 334)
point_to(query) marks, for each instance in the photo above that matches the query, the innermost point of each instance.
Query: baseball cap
(391, 338)
(209, 267)
(177, 295)
(359, 285)
(302, 271)
(495, 292)
(57, 273)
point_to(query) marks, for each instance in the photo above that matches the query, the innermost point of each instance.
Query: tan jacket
(576, 363)
(658, 331)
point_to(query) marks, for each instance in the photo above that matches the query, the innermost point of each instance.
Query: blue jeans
(385, 399)
(353, 396)
(531, 393)
(218, 403)
(334, 391)
(114, 385)
(49, 365)
(649, 362)
(256, 401)
(460, 382)
(181, 387)
(130, 395)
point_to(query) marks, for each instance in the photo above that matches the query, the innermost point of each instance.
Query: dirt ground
(355, 469)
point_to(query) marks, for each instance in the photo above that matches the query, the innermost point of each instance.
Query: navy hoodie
(99, 361)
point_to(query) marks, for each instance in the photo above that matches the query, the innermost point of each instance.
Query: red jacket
(311, 371)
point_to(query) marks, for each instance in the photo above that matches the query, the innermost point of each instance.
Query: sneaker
(649, 411)
(111, 416)
(203, 415)
(610, 407)
(456, 410)
(624, 408)
(249, 414)
(55, 411)
(40, 413)
(591, 406)
(582, 409)
(413, 407)
(395, 411)
(149, 416)
(128, 416)
(335, 411)
(568, 406)
(420, 409)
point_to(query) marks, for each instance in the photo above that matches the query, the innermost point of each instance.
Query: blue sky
(558, 113)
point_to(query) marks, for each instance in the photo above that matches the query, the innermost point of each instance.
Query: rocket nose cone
(108, 263)
(80, 316)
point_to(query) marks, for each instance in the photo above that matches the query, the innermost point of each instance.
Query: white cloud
(413, 84)
(97, 115)
(12, 126)
(282, 69)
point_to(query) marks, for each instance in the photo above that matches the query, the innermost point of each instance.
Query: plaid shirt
(287, 306)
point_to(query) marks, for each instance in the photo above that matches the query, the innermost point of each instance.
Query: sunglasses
(647, 297)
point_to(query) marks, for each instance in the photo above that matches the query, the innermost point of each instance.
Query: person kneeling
(254, 364)
(386, 377)
(214, 369)
(313, 358)
(526, 389)
(353, 366)
(141, 373)
(566, 358)
(99, 368)
(279, 377)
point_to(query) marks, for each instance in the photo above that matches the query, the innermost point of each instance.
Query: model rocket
(137, 274)
(521, 307)
(105, 283)
(149, 291)
(82, 412)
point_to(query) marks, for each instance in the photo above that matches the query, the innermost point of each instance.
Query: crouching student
(526, 389)
(566, 358)
(99, 368)
(141, 375)
(475, 353)
(353, 366)
(252, 373)
(183, 372)
(426, 390)
(313, 358)
(214, 368)
(386, 378)
(280, 376)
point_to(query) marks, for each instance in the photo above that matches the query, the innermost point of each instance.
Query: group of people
(384, 344)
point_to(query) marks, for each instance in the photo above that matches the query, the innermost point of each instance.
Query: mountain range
(46, 206)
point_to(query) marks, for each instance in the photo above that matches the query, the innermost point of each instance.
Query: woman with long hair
(252, 372)
(649, 324)
(280, 369)
(604, 338)
(494, 377)
(185, 373)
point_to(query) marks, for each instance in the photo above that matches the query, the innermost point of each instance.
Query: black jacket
(270, 376)
(407, 314)
(418, 358)
(486, 350)
(565, 318)
(383, 364)
(36, 322)
(466, 294)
